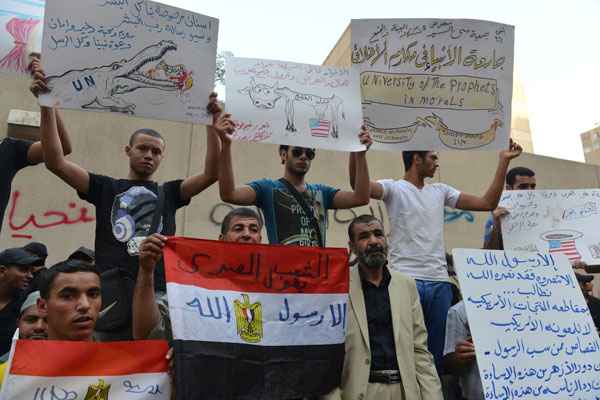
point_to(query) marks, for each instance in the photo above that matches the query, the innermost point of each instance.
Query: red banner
(220, 265)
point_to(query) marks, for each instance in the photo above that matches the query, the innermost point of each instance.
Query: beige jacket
(419, 377)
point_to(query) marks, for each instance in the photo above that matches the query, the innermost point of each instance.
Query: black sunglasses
(298, 151)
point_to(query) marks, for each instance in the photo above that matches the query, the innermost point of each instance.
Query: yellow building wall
(98, 145)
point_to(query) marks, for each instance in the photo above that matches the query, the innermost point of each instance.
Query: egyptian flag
(256, 321)
(60, 370)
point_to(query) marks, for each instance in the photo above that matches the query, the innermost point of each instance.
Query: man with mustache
(70, 300)
(416, 214)
(151, 314)
(386, 341)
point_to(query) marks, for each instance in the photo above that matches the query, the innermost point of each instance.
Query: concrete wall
(99, 139)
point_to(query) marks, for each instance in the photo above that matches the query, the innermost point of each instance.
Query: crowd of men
(404, 328)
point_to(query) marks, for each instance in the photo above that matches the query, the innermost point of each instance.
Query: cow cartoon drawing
(265, 97)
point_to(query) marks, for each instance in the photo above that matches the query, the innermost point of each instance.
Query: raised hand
(151, 251)
(225, 127)
(514, 151)
(39, 83)
(365, 137)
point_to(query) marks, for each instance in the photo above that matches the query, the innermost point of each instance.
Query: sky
(557, 55)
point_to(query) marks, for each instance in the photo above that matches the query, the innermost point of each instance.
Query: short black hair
(511, 176)
(407, 157)
(361, 219)
(48, 276)
(242, 212)
(145, 131)
(283, 147)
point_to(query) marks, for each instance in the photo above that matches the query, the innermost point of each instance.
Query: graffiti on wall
(72, 214)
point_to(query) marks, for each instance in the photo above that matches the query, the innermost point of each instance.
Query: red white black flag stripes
(256, 321)
(51, 370)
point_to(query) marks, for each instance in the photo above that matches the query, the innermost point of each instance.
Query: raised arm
(146, 316)
(53, 154)
(73, 174)
(193, 185)
(361, 188)
(494, 239)
(35, 154)
(490, 199)
(375, 188)
(244, 195)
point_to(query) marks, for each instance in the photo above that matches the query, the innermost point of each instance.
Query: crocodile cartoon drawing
(100, 88)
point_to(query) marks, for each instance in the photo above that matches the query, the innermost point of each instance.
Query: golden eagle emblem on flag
(248, 319)
(98, 391)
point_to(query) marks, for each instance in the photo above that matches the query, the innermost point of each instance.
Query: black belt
(388, 376)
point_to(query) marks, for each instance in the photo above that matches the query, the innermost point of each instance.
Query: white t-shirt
(417, 224)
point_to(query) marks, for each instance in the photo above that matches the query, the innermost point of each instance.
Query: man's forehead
(368, 226)
(81, 280)
(144, 138)
(524, 178)
(32, 310)
(243, 221)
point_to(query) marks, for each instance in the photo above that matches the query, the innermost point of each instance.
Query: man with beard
(70, 300)
(386, 341)
(295, 211)
(416, 213)
(16, 273)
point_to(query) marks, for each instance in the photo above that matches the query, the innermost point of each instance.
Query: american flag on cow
(319, 127)
(566, 247)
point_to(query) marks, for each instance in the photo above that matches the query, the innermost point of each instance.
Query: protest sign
(139, 58)
(294, 104)
(70, 370)
(534, 337)
(257, 318)
(434, 84)
(556, 221)
(20, 32)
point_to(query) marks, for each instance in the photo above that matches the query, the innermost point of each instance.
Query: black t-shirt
(13, 157)
(124, 212)
(8, 323)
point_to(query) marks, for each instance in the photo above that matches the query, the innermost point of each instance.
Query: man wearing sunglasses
(295, 211)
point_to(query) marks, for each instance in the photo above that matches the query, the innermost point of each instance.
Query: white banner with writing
(294, 104)
(139, 58)
(556, 221)
(533, 334)
(434, 84)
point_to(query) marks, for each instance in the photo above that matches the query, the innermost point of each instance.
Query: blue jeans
(436, 298)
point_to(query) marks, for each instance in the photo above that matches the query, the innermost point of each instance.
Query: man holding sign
(295, 211)
(416, 213)
(127, 210)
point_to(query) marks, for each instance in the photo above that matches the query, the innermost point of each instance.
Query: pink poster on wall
(20, 32)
